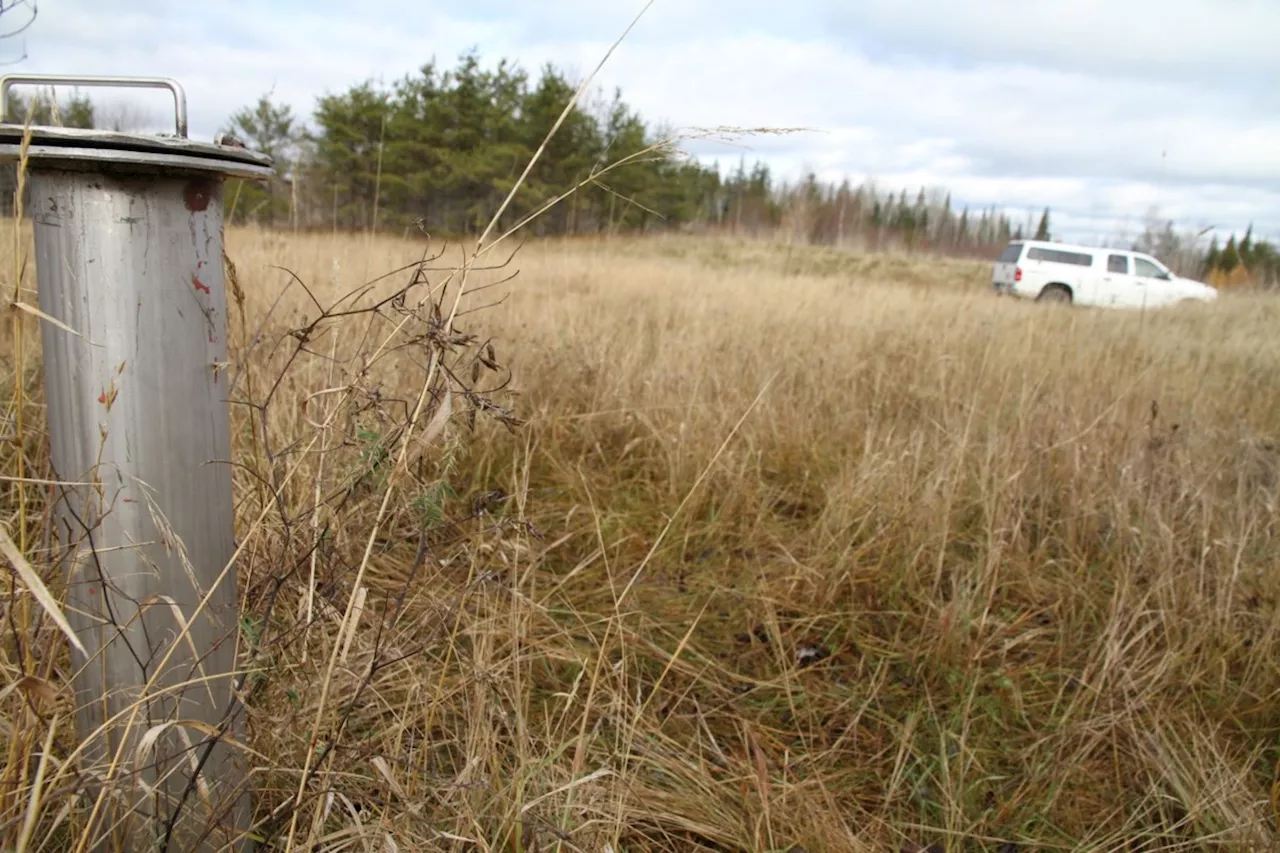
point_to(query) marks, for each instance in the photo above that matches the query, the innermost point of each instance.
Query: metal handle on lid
(179, 96)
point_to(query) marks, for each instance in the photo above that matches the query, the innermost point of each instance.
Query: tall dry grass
(791, 549)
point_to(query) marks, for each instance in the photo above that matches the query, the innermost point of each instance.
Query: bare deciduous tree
(16, 16)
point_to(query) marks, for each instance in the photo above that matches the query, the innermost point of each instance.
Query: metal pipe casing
(128, 236)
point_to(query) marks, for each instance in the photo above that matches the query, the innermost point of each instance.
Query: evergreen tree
(1230, 257)
(351, 128)
(1213, 255)
(272, 129)
(1042, 230)
(902, 218)
(1245, 251)
(920, 218)
(76, 111)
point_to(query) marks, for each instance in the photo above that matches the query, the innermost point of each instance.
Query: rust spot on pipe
(197, 194)
(199, 285)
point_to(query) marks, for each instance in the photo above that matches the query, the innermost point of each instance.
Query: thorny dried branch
(400, 330)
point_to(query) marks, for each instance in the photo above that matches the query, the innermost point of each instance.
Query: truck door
(1117, 285)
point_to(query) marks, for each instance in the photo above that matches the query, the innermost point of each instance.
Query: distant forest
(441, 148)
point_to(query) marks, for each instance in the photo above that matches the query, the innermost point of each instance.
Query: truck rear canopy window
(1010, 253)
(1058, 256)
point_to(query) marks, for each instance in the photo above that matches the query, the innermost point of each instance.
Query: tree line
(75, 111)
(1247, 262)
(441, 148)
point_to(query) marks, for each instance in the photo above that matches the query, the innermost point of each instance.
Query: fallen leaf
(37, 688)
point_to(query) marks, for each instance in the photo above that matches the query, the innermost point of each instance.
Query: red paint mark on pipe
(130, 500)
(199, 285)
(197, 195)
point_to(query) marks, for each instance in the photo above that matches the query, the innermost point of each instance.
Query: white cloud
(1162, 39)
(1098, 110)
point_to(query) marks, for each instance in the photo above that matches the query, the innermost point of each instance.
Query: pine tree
(1230, 256)
(271, 129)
(350, 128)
(902, 218)
(1042, 230)
(1212, 257)
(1245, 252)
(77, 111)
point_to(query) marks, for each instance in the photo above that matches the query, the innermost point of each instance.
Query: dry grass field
(788, 549)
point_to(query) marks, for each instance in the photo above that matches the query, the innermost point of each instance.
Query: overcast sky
(1099, 109)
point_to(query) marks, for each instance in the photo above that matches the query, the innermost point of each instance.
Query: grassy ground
(793, 548)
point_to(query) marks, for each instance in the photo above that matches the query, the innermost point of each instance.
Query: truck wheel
(1055, 293)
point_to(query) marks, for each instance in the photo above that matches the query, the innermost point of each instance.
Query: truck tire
(1055, 293)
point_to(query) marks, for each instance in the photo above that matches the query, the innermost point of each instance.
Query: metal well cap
(68, 147)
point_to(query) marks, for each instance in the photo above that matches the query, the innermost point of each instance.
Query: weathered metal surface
(138, 162)
(129, 257)
(138, 409)
(66, 147)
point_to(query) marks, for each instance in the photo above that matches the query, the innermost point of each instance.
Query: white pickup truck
(1084, 275)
